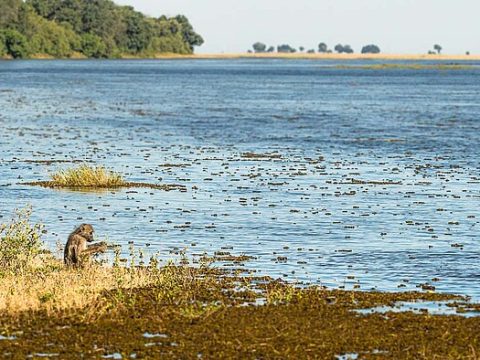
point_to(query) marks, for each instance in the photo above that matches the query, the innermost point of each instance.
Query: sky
(397, 26)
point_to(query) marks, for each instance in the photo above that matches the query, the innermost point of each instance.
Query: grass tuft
(87, 176)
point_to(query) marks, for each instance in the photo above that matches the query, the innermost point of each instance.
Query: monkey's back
(76, 244)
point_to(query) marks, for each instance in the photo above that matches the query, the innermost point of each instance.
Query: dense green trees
(94, 28)
(190, 37)
(93, 46)
(3, 47)
(14, 44)
(9, 10)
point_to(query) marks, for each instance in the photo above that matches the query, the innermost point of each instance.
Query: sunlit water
(299, 215)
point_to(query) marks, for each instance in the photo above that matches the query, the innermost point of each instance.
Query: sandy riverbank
(412, 57)
(294, 56)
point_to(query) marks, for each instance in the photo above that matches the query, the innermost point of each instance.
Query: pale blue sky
(397, 26)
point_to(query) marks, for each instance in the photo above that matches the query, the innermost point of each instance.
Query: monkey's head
(86, 231)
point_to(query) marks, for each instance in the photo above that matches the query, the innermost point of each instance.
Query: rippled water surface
(371, 179)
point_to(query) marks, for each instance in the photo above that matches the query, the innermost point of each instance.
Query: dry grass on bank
(33, 279)
(325, 56)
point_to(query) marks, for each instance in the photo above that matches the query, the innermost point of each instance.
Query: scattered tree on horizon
(311, 51)
(285, 49)
(301, 48)
(259, 47)
(271, 49)
(322, 48)
(347, 49)
(437, 48)
(370, 49)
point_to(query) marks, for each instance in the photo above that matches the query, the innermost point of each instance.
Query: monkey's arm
(95, 249)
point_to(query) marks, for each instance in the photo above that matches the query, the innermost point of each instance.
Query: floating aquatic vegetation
(408, 67)
(252, 155)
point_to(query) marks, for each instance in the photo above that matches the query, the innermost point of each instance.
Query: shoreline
(317, 56)
(182, 311)
(278, 56)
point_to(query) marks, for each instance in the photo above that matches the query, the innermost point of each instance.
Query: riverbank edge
(278, 56)
(192, 314)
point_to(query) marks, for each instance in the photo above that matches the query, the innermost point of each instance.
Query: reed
(87, 176)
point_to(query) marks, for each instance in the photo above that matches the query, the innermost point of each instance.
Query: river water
(372, 178)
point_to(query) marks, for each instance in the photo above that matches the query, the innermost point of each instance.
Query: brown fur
(77, 252)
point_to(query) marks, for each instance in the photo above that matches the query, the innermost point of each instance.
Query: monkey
(77, 252)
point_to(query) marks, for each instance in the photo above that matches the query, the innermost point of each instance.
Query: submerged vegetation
(176, 311)
(94, 29)
(408, 67)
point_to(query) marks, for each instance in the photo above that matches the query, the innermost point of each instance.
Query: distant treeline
(91, 28)
(260, 47)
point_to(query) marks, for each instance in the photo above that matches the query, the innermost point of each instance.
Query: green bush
(20, 242)
(93, 46)
(16, 44)
(51, 41)
(169, 44)
(49, 37)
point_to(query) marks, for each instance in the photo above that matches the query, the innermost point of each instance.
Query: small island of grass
(87, 176)
(90, 177)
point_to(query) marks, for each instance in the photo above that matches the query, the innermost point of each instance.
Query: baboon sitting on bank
(77, 252)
